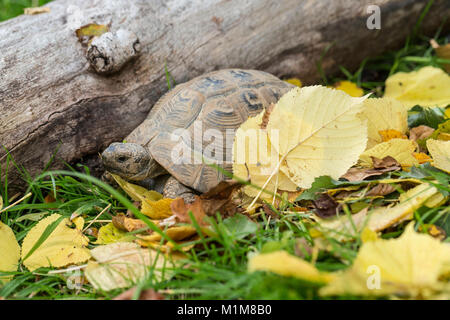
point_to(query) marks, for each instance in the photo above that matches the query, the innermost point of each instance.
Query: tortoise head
(131, 161)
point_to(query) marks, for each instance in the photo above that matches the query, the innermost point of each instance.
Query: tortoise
(219, 100)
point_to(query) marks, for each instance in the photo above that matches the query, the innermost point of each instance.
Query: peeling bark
(52, 97)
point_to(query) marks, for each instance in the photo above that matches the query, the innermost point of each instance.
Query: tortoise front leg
(175, 189)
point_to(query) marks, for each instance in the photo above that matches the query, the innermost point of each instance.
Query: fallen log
(56, 94)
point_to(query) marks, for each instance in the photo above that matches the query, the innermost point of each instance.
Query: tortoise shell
(218, 100)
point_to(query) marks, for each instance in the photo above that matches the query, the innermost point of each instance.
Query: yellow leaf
(295, 81)
(440, 152)
(91, 30)
(109, 234)
(252, 150)
(410, 265)
(421, 157)
(427, 87)
(282, 263)
(10, 251)
(175, 233)
(64, 245)
(368, 235)
(123, 264)
(157, 209)
(390, 134)
(316, 131)
(153, 204)
(399, 149)
(436, 200)
(350, 88)
(137, 193)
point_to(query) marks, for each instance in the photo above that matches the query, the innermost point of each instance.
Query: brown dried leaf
(266, 116)
(381, 189)
(36, 10)
(181, 210)
(380, 166)
(326, 206)
(124, 223)
(386, 163)
(419, 133)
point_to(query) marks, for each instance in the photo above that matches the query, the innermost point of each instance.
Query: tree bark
(56, 94)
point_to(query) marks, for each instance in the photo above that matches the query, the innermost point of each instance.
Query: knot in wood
(112, 50)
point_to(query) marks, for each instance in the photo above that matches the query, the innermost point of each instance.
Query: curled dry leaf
(63, 246)
(380, 166)
(412, 265)
(381, 189)
(420, 133)
(122, 222)
(10, 251)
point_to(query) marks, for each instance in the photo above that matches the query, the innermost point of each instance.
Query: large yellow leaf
(10, 251)
(400, 149)
(282, 263)
(317, 131)
(64, 245)
(384, 114)
(411, 265)
(122, 264)
(254, 156)
(440, 152)
(427, 87)
(379, 218)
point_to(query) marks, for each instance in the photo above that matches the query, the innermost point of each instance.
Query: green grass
(12, 8)
(216, 268)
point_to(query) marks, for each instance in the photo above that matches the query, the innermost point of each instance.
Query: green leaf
(239, 226)
(442, 128)
(323, 183)
(431, 117)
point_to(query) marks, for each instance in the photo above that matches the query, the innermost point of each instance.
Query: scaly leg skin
(174, 189)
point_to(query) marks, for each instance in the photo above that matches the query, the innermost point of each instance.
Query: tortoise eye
(122, 159)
